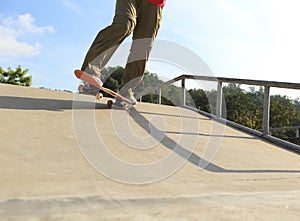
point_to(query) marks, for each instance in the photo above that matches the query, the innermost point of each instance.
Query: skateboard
(93, 81)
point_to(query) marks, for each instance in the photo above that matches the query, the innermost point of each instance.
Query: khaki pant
(137, 16)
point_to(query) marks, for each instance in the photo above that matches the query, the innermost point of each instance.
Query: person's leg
(148, 22)
(108, 39)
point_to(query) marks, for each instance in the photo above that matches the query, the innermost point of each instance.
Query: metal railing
(219, 104)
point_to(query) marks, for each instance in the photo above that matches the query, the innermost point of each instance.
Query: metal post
(183, 93)
(266, 117)
(219, 100)
(297, 133)
(159, 96)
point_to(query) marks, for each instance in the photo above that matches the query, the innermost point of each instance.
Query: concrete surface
(46, 172)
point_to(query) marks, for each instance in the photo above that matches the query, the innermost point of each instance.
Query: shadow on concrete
(174, 115)
(22, 103)
(187, 154)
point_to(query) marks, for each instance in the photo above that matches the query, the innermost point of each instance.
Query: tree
(16, 77)
(283, 112)
(149, 82)
(297, 104)
(242, 107)
(198, 98)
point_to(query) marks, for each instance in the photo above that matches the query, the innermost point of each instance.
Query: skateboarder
(140, 17)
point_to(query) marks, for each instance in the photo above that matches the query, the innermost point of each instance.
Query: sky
(257, 39)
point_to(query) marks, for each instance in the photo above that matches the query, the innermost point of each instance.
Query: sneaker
(129, 94)
(98, 80)
(95, 73)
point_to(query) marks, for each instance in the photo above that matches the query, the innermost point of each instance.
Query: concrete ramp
(64, 156)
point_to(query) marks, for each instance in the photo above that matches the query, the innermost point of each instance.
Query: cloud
(11, 31)
(73, 7)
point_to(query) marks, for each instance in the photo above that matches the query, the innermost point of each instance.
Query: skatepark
(65, 157)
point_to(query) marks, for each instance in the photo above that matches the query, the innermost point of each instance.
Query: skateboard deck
(90, 80)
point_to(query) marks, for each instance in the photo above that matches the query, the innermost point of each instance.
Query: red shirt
(158, 2)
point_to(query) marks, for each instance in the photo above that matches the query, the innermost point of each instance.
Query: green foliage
(242, 107)
(198, 98)
(283, 112)
(16, 77)
(246, 108)
(149, 81)
(297, 104)
(171, 95)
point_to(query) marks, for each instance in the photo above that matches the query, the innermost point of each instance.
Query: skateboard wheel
(99, 96)
(109, 103)
(80, 88)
